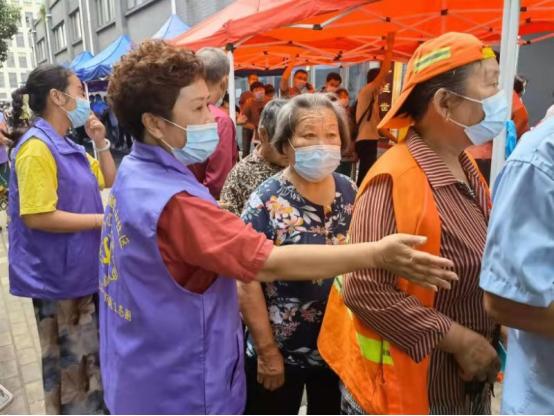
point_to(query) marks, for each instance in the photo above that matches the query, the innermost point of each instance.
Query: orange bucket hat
(432, 58)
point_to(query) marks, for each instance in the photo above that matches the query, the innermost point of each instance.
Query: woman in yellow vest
(399, 348)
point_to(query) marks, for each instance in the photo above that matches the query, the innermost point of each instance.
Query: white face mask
(315, 163)
(201, 142)
(496, 115)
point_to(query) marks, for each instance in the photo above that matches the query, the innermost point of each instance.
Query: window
(29, 18)
(41, 50)
(2, 81)
(20, 40)
(105, 11)
(10, 63)
(24, 76)
(75, 23)
(3, 96)
(60, 41)
(22, 61)
(131, 4)
(13, 79)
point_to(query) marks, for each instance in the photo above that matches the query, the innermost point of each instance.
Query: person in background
(368, 115)
(305, 204)
(251, 112)
(99, 107)
(348, 159)
(520, 116)
(517, 271)
(213, 172)
(300, 82)
(261, 164)
(269, 92)
(245, 98)
(332, 83)
(55, 212)
(170, 256)
(247, 95)
(403, 349)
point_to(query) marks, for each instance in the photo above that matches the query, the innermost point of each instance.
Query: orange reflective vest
(382, 378)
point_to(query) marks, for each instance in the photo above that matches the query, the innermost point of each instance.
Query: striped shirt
(401, 318)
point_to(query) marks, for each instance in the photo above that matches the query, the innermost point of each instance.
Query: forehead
(301, 75)
(74, 81)
(315, 117)
(196, 90)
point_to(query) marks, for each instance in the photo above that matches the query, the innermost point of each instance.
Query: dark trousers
(367, 155)
(247, 135)
(322, 388)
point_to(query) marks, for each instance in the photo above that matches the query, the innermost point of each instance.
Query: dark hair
(300, 71)
(148, 80)
(372, 74)
(39, 83)
(255, 85)
(519, 84)
(342, 91)
(334, 76)
(418, 101)
(291, 112)
(269, 89)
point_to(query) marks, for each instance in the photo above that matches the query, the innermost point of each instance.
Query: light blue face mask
(496, 115)
(201, 142)
(315, 163)
(79, 116)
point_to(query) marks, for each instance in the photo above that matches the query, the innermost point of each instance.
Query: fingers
(431, 260)
(271, 383)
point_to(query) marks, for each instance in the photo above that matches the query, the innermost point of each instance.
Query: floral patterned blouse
(296, 308)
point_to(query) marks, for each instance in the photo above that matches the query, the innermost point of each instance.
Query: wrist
(456, 340)
(373, 255)
(102, 145)
(269, 347)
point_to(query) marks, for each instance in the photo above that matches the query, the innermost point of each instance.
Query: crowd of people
(205, 284)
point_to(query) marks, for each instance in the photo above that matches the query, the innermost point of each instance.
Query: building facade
(69, 27)
(21, 58)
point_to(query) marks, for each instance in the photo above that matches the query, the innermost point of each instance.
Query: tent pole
(89, 23)
(173, 7)
(231, 86)
(508, 65)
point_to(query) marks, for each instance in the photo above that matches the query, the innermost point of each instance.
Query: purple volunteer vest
(56, 265)
(163, 349)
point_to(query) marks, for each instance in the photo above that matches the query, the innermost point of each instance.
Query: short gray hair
(289, 115)
(215, 64)
(268, 118)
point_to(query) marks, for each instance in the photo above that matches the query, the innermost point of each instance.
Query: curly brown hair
(148, 80)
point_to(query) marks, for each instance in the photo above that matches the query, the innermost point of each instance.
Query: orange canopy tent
(265, 34)
(268, 34)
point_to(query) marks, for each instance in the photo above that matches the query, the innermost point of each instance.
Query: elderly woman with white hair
(305, 204)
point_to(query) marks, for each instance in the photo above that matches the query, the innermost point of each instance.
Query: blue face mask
(201, 142)
(79, 116)
(496, 115)
(315, 163)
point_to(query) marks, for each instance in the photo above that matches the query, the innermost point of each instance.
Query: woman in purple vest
(55, 215)
(170, 331)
